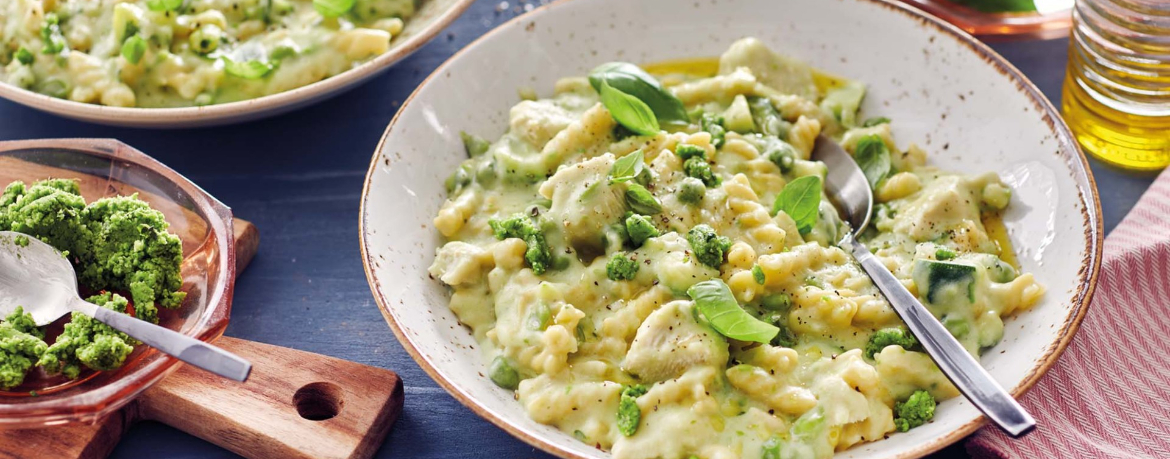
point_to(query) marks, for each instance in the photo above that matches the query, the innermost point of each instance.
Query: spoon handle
(954, 360)
(175, 344)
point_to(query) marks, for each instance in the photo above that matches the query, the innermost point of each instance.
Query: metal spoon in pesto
(849, 190)
(39, 278)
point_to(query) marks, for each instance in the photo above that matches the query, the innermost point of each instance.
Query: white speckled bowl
(432, 16)
(954, 96)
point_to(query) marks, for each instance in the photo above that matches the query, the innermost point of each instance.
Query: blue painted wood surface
(298, 177)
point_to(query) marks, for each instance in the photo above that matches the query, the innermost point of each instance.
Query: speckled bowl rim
(1078, 166)
(240, 111)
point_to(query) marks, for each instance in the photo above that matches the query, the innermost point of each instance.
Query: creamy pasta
(587, 294)
(180, 53)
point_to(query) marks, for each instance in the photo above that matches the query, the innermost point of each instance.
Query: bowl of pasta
(627, 252)
(174, 63)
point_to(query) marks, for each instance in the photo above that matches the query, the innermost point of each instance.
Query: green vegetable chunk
(629, 416)
(629, 111)
(132, 251)
(639, 228)
(699, 168)
(781, 153)
(133, 49)
(205, 39)
(332, 8)
(915, 411)
(24, 56)
(164, 5)
(843, 102)
(249, 70)
(503, 374)
(873, 157)
(621, 267)
(51, 35)
(687, 151)
(941, 282)
(85, 341)
(691, 190)
(641, 200)
(767, 119)
(1000, 6)
(718, 305)
(889, 337)
(713, 124)
(801, 200)
(630, 79)
(475, 145)
(521, 226)
(21, 346)
(709, 246)
(944, 254)
(875, 121)
(758, 274)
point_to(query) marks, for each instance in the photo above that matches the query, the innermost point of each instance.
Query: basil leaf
(640, 199)
(627, 167)
(800, 199)
(718, 305)
(164, 5)
(632, 80)
(628, 110)
(873, 157)
(133, 49)
(252, 70)
(333, 8)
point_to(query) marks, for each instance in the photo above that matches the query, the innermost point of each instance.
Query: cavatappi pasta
(180, 53)
(579, 287)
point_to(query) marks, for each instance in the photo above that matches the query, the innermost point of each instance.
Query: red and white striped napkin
(1109, 394)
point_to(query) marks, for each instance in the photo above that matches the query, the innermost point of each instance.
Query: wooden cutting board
(295, 404)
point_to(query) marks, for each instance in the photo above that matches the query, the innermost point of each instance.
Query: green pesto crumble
(115, 244)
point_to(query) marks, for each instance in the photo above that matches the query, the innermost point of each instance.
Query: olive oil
(1116, 96)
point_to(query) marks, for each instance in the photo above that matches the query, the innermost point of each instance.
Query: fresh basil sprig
(641, 200)
(629, 111)
(627, 167)
(718, 305)
(632, 80)
(801, 200)
(333, 8)
(873, 157)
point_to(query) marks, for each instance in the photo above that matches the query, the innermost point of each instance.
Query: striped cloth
(1109, 394)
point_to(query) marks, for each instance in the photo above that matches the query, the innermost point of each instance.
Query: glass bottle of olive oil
(1117, 88)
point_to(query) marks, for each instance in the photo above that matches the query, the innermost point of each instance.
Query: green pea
(958, 326)
(777, 302)
(205, 39)
(540, 317)
(503, 374)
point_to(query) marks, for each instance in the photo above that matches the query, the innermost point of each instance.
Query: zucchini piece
(940, 282)
(738, 117)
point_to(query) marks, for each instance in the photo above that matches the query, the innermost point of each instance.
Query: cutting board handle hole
(319, 401)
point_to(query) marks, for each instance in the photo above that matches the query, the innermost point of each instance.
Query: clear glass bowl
(1052, 19)
(111, 168)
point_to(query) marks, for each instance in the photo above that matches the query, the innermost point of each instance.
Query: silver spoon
(847, 186)
(42, 280)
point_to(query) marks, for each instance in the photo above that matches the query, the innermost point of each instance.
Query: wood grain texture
(261, 418)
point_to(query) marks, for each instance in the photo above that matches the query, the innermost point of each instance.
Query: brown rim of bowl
(205, 115)
(1089, 268)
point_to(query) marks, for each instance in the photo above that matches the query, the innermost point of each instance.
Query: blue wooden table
(298, 177)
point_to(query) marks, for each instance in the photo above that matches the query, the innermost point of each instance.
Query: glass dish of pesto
(126, 260)
(647, 258)
(183, 53)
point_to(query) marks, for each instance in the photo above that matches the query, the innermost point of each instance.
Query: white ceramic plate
(431, 17)
(966, 105)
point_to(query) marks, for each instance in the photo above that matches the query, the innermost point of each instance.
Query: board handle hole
(318, 401)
